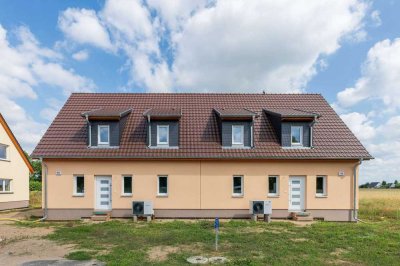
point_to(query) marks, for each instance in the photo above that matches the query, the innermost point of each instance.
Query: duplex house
(199, 155)
(14, 170)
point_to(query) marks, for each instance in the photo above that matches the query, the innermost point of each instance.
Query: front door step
(101, 216)
(301, 216)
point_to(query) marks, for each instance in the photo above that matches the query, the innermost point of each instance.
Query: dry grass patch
(379, 203)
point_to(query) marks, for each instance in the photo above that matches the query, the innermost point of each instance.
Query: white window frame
(241, 186)
(3, 181)
(74, 192)
(324, 186)
(5, 147)
(158, 135)
(98, 135)
(233, 135)
(276, 194)
(123, 193)
(158, 186)
(301, 136)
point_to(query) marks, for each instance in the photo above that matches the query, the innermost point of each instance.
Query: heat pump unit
(260, 207)
(142, 208)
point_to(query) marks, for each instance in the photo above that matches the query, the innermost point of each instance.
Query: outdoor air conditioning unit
(260, 207)
(142, 208)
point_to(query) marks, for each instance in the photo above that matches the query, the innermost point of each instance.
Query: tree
(383, 184)
(37, 169)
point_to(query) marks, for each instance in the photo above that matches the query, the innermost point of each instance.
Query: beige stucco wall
(13, 168)
(200, 184)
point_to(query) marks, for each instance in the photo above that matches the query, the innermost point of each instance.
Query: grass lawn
(243, 242)
(35, 199)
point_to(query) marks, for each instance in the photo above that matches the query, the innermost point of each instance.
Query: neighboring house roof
(373, 184)
(15, 142)
(199, 130)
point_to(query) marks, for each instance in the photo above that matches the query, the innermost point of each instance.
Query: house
(374, 185)
(14, 170)
(199, 155)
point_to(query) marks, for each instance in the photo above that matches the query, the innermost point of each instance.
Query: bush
(35, 185)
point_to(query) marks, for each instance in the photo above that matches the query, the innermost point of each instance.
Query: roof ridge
(191, 93)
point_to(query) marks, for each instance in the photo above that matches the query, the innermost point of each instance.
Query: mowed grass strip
(242, 242)
(377, 204)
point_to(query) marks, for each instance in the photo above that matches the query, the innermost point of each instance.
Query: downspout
(355, 215)
(44, 174)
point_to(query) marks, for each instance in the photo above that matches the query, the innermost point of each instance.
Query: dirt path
(24, 244)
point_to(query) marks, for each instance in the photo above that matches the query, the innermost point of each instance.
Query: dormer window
(237, 134)
(163, 127)
(296, 133)
(105, 127)
(236, 128)
(162, 134)
(104, 134)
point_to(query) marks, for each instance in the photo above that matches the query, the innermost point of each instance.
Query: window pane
(320, 185)
(1, 185)
(296, 135)
(7, 185)
(272, 185)
(162, 185)
(3, 154)
(163, 135)
(237, 132)
(80, 184)
(237, 185)
(127, 184)
(104, 134)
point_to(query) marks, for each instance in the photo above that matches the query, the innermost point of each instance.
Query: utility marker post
(216, 227)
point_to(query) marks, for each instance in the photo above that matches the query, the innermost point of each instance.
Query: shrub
(35, 185)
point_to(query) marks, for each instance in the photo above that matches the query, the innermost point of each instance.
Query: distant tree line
(384, 184)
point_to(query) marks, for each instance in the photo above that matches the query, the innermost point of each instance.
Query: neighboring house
(374, 185)
(200, 155)
(14, 171)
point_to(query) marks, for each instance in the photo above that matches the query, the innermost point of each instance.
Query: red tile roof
(237, 113)
(108, 112)
(163, 112)
(199, 132)
(291, 112)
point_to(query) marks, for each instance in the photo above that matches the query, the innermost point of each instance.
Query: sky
(348, 50)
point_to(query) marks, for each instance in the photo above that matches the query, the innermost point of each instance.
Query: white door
(296, 193)
(103, 193)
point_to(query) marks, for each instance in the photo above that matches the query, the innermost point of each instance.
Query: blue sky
(346, 50)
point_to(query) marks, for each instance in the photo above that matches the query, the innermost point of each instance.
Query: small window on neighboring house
(127, 185)
(321, 186)
(237, 186)
(104, 135)
(162, 186)
(162, 135)
(5, 185)
(79, 185)
(3, 151)
(273, 186)
(296, 135)
(237, 135)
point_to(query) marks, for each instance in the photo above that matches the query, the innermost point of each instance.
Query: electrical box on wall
(341, 173)
(58, 172)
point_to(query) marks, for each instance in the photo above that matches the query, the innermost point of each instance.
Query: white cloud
(380, 77)
(225, 45)
(360, 125)
(82, 55)
(83, 26)
(376, 18)
(24, 68)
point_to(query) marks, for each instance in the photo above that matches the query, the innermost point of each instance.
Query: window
(297, 135)
(127, 185)
(238, 135)
(79, 185)
(273, 186)
(104, 135)
(237, 186)
(321, 186)
(5, 185)
(162, 135)
(162, 186)
(3, 151)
